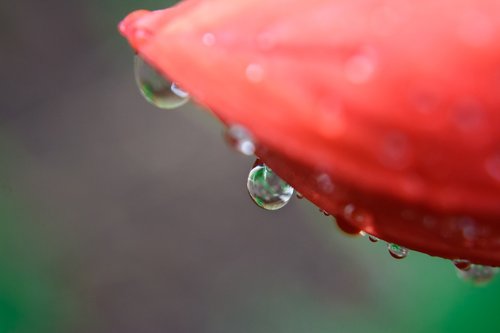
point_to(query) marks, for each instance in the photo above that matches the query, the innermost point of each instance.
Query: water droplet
(395, 151)
(462, 264)
(254, 73)
(397, 251)
(325, 183)
(372, 239)
(156, 89)
(347, 227)
(359, 68)
(239, 138)
(299, 196)
(469, 116)
(478, 274)
(357, 215)
(324, 212)
(208, 39)
(267, 189)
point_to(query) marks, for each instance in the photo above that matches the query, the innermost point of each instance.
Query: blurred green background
(118, 217)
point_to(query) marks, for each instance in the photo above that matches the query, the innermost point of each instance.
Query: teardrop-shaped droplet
(462, 264)
(239, 138)
(298, 195)
(267, 189)
(397, 251)
(478, 274)
(372, 239)
(156, 89)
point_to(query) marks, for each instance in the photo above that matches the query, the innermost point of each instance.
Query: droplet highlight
(397, 251)
(267, 189)
(240, 139)
(156, 89)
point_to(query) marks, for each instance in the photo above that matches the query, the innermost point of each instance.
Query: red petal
(386, 109)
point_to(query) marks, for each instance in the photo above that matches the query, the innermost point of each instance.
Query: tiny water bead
(397, 251)
(462, 264)
(239, 138)
(156, 89)
(267, 189)
(372, 239)
(478, 274)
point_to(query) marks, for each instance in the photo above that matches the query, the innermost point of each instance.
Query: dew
(357, 215)
(239, 138)
(208, 39)
(359, 69)
(325, 183)
(468, 116)
(372, 238)
(397, 251)
(298, 195)
(478, 274)
(462, 264)
(254, 73)
(156, 89)
(267, 189)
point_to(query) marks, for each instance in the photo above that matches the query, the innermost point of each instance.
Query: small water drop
(156, 89)
(254, 73)
(478, 274)
(324, 212)
(462, 264)
(208, 39)
(299, 196)
(267, 189)
(239, 138)
(397, 251)
(372, 239)
(325, 183)
(359, 69)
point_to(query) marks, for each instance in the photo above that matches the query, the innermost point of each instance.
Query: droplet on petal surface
(156, 89)
(397, 251)
(267, 189)
(478, 274)
(239, 138)
(462, 264)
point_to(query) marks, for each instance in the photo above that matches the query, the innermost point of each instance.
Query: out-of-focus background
(118, 217)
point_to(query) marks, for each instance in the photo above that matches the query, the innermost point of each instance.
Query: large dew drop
(267, 189)
(156, 89)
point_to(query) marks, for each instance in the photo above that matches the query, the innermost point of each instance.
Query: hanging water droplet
(239, 138)
(462, 264)
(372, 239)
(299, 196)
(397, 251)
(324, 212)
(156, 89)
(267, 189)
(478, 274)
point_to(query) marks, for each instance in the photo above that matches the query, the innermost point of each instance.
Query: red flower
(385, 113)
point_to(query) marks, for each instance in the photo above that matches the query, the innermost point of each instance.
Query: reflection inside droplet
(156, 89)
(267, 189)
(397, 251)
